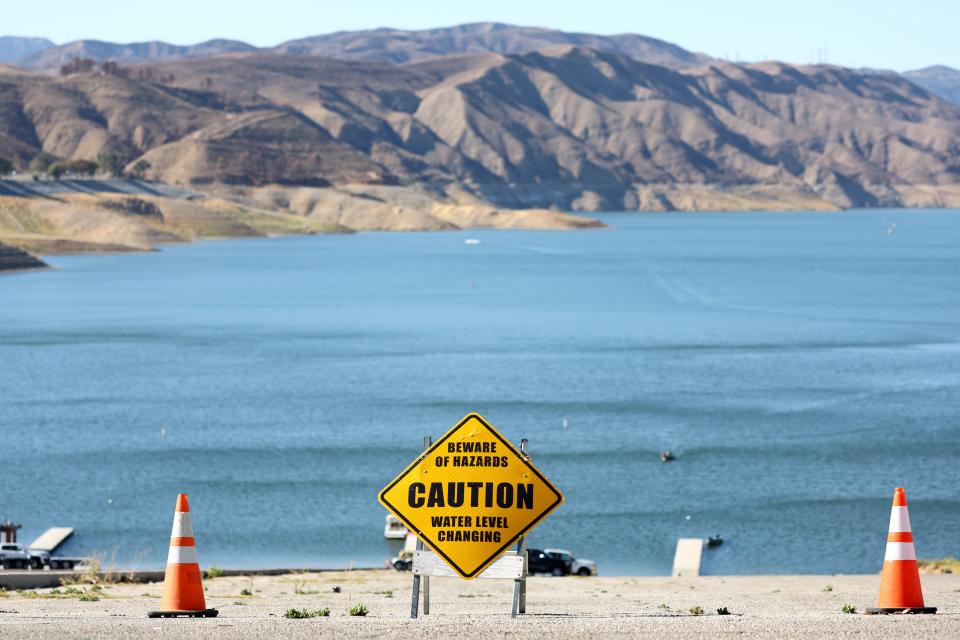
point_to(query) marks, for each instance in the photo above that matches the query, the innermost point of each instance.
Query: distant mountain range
(400, 46)
(568, 127)
(14, 49)
(52, 58)
(379, 45)
(938, 79)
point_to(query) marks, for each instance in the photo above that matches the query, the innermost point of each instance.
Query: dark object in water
(667, 456)
(714, 541)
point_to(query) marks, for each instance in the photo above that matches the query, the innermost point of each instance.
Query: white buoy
(564, 423)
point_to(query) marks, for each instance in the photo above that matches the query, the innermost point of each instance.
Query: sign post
(416, 577)
(470, 496)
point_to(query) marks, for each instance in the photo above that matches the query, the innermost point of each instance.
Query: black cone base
(904, 610)
(205, 613)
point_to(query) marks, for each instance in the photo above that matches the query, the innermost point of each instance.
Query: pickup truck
(578, 566)
(14, 556)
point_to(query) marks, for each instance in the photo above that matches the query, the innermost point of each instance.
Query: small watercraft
(714, 541)
(394, 529)
(667, 456)
(471, 241)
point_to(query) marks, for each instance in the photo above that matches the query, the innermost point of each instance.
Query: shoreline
(34, 247)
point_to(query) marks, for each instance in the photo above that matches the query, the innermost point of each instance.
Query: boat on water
(394, 529)
(714, 541)
(471, 241)
(667, 456)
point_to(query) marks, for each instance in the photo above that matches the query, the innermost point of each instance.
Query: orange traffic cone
(182, 588)
(900, 583)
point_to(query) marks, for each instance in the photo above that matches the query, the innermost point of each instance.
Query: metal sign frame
(519, 604)
(430, 445)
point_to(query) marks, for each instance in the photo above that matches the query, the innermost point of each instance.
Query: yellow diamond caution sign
(470, 496)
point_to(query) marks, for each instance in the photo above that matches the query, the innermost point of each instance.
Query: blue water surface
(800, 366)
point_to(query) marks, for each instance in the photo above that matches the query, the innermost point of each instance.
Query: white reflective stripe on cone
(900, 551)
(182, 555)
(899, 520)
(181, 525)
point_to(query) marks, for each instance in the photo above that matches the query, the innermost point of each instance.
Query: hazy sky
(876, 33)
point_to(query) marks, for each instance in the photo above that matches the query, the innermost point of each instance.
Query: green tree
(6, 167)
(109, 163)
(41, 162)
(140, 169)
(56, 170)
(83, 167)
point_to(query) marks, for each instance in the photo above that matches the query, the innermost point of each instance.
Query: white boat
(471, 241)
(394, 529)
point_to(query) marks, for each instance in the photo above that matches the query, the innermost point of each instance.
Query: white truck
(14, 556)
(578, 566)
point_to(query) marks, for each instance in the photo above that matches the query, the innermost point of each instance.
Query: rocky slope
(570, 128)
(14, 259)
(96, 216)
(87, 221)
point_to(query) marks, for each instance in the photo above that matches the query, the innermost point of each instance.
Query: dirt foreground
(759, 606)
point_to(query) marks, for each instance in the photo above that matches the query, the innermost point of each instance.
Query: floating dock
(51, 539)
(686, 560)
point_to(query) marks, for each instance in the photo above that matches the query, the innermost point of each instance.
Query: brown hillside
(569, 127)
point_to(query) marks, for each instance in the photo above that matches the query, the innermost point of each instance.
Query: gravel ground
(759, 606)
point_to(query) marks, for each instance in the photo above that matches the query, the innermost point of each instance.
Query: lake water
(800, 365)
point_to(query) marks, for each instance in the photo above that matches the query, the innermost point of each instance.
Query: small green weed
(697, 610)
(239, 602)
(359, 610)
(663, 605)
(849, 608)
(88, 597)
(246, 592)
(828, 588)
(212, 572)
(306, 613)
(300, 589)
(723, 611)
